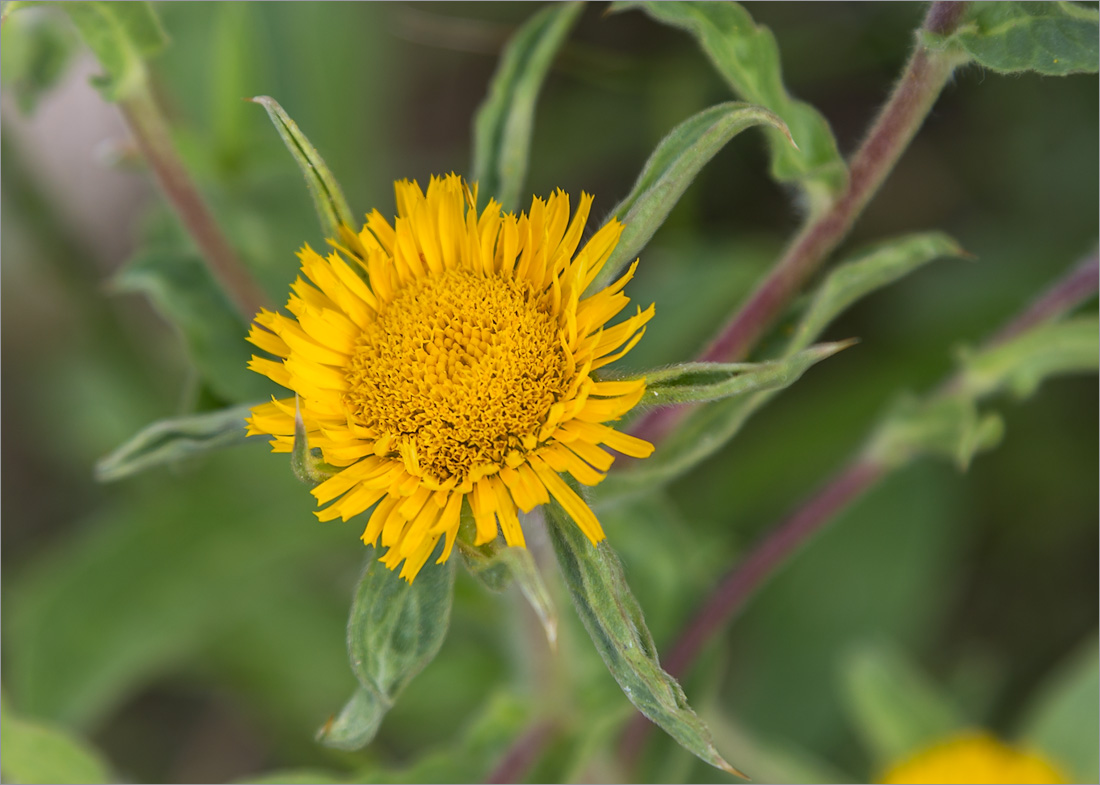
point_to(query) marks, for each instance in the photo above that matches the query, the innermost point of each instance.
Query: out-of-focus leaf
(122, 36)
(698, 382)
(167, 441)
(894, 708)
(328, 198)
(36, 51)
(1021, 364)
(186, 294)
(395, 629)
(1063, 720)
(505, 120)
(853, 280)
(747, 57)
(617, 627)
(297, 777)
(495, 565)
(671, 168)
(950, 426)
(36, 752)
(1054, 39)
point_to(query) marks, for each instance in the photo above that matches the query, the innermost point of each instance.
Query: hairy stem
(153, 137)
(849, 484)
(925, 76)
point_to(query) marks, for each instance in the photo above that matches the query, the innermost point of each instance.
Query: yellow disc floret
(445, 362)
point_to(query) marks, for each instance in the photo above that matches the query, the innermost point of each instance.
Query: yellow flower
(974, 756)
(449, 359)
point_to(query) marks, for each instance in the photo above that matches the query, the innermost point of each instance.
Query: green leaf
(36, 752)
(1021, 364)
(496, 565)
(947, 426)
(1063, 721)
(1054, 39)
(122, 36)
(171, 440)
(183, 290)
(851, 281)
(505, 120)
(615, 623)
(671, 168)
(35, 54)
(894, 708)
(746, 56)
(395, 629)
(699, 381)
(328, 198)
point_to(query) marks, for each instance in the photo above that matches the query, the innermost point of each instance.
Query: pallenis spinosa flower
(448, 359)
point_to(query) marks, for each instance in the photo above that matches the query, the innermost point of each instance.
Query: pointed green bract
(395, 629)
(167, 441)
(895, 709)
(1054, 39)
(328, 198)
(671, 168)
(304, 462)
(505, 120)
(617, 627)
(36, 752)
(701, 382)
(747, 57)
(186, 294)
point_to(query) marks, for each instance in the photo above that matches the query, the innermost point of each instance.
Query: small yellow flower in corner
(449, 358)
(973, 756)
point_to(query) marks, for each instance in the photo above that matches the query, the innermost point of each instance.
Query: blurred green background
(189, 622)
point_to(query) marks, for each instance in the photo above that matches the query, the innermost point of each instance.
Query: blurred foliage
(190, 621)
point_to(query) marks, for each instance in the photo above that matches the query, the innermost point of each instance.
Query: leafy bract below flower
(973, 756)
(450, 358)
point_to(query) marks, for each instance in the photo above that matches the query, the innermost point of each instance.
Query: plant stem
(519, 759)
(848, 485)
(925, 76)
(153, 137)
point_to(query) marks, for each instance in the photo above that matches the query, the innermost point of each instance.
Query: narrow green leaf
(1063, 721)
(395, 629)
(878, 267)
(699, 382)
(893, 706)
(35, 752)
(496, 565)
(328, 198)
(183, 290)
(505, 120)
(171, 440)
(122, 36)
(1021, 364)
(948, 426)
(1054, 39)
(747, 57)
(671, 168)
(615, 623)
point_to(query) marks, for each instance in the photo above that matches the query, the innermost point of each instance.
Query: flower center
(459, 366)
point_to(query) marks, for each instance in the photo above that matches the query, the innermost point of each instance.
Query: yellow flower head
(973, 756)
(450, 357)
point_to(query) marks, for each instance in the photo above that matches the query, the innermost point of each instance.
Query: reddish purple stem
(519, 759)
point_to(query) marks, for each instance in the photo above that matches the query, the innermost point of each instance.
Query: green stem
(154, 138)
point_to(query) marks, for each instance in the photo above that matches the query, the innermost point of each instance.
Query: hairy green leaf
(1062, 720)
(395, 629)
(505, 120)
(671, 168)
(122, 36)
(183, 290)
(1054, 39)
(615, 623)
(747, 57)
(171, 440)
(36, 752)
(699, 382)
(1021, 364)
(328, 198)
(893, 706)
(853, 280)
